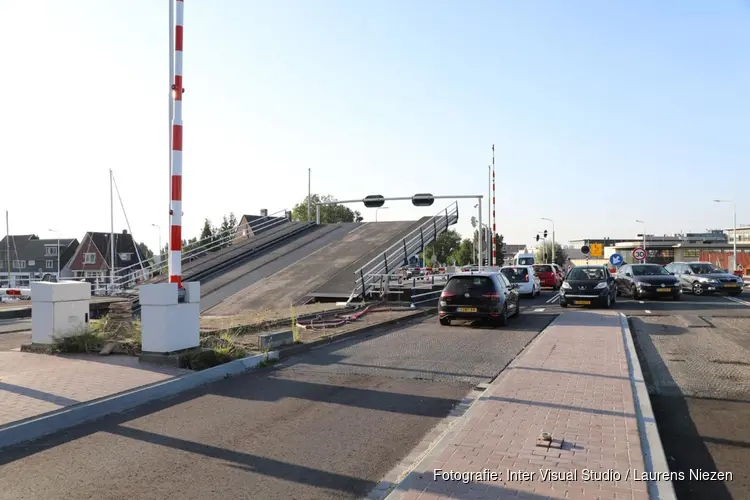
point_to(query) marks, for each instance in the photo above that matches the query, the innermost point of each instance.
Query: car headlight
(600, 286)
(641, 283)
(566, 285)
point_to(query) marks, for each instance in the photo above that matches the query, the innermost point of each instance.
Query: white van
(524, 259)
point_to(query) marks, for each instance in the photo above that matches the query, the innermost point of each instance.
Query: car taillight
(492, 296)
(446, 294)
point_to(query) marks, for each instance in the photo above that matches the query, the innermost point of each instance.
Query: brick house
(91, 260)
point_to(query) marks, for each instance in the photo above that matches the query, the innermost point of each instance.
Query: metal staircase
(368, 276)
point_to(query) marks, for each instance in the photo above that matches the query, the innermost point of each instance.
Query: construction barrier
(15, 292)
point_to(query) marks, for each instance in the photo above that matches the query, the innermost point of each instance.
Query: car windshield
(515, 274)
(460, 285)
(582, 273)
(526, 261)
(705, 269)
(649, 271)
(543, 269)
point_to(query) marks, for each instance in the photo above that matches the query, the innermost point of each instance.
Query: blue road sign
(616, 259)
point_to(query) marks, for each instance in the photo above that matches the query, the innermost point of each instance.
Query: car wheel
(503, 319)
(634, 293)
(618, 292)
(445, 321)
(614, 298)
(607, 301)
(563, 304)
(698, 288)
(734, 294)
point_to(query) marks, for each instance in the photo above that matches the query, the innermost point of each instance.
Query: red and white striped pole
(175, 207)
(494, 219)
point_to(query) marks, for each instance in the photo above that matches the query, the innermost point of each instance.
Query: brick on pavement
(32, 384)
(572, 382)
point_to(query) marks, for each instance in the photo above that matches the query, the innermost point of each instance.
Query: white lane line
(648, 311)
(554, 298)
(738, 301)
(641, 302)
(537, 310)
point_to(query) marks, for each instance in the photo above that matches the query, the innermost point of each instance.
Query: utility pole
(112, 232)
(309, 190)
(7, 244)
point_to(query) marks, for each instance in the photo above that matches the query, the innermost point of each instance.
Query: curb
(49, 423)
(654, 457)
(300, 348)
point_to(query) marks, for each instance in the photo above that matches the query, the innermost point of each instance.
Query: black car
(478, 296)
(647, 281)
(588, 285)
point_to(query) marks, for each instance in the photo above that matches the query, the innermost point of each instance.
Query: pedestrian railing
(398, 254)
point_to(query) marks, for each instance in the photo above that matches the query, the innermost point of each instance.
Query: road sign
(616, 259)
(585, 250)
(639, 254)
(597, 250)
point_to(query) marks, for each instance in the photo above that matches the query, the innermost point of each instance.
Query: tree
(543, 253)
(145, 252)
(233, 220)
(465, 253)
(329, 214)
(442, 248)
(208, 233)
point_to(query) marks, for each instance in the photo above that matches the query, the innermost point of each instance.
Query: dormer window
(50, 251)
(126, 257)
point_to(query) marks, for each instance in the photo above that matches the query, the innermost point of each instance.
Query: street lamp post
(58, 252)
(553, 237)
(376, 212)
(734, 231)
(645, 258)
(159, 253)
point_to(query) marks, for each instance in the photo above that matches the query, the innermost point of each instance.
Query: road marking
(554, 298)
(641, 302)
(738, 301)
(539, 310)
(648, 311)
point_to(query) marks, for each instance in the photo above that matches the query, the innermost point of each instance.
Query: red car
(548, 277)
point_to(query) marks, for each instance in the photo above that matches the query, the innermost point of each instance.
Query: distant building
(32, 257)
(253, 225)
(92, 258)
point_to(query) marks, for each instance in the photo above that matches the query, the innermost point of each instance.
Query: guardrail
(398, 254)
(425, 297)
(129, 275)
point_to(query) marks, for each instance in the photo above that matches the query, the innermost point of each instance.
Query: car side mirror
(628, 275)
(610, 279)
(672, 274)
(513, 286)
(688, 272)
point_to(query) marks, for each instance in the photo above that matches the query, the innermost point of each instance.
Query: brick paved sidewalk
(572, 382)
(34, 384)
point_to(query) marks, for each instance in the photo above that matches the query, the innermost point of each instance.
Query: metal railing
(130, 275)
(398, 254)
(423, 298)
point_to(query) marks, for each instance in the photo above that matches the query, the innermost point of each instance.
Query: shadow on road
(683, 444)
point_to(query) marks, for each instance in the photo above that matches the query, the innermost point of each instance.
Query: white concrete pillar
(58, 309)
(167, 325)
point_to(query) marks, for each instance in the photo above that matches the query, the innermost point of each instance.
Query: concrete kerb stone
(389, 489)
(15, 313)
(35, 427)
(300, 348)
(654, 457)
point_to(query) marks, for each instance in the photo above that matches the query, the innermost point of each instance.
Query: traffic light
(537, 237)
(545, 233)
(374, 201)
(422, 200)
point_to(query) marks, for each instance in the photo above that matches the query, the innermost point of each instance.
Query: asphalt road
(696, 362)
(328, 424)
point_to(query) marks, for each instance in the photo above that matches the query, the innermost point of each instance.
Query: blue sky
(601, 112)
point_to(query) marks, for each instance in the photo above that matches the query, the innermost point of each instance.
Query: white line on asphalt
(648, 311)
(641, 302)
(738, 301)
(537, 310)
(554, 298)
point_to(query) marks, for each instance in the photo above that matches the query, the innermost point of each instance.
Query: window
(125, 257)
(50, 251)
(692, 253)
(516, 274)
(504, 280)
(587, 273)
(18, 264)
(89, 258)
(649, 270)
(543, 269)
(49, 264)
(705, 269)
(32, 263)
(460, 285)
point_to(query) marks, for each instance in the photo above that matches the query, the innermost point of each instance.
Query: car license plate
(663, 289)
(582, 302)
(467, 309)
(730, 286)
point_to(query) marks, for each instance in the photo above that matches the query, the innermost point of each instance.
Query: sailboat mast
(112, 232)
(7, 244)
